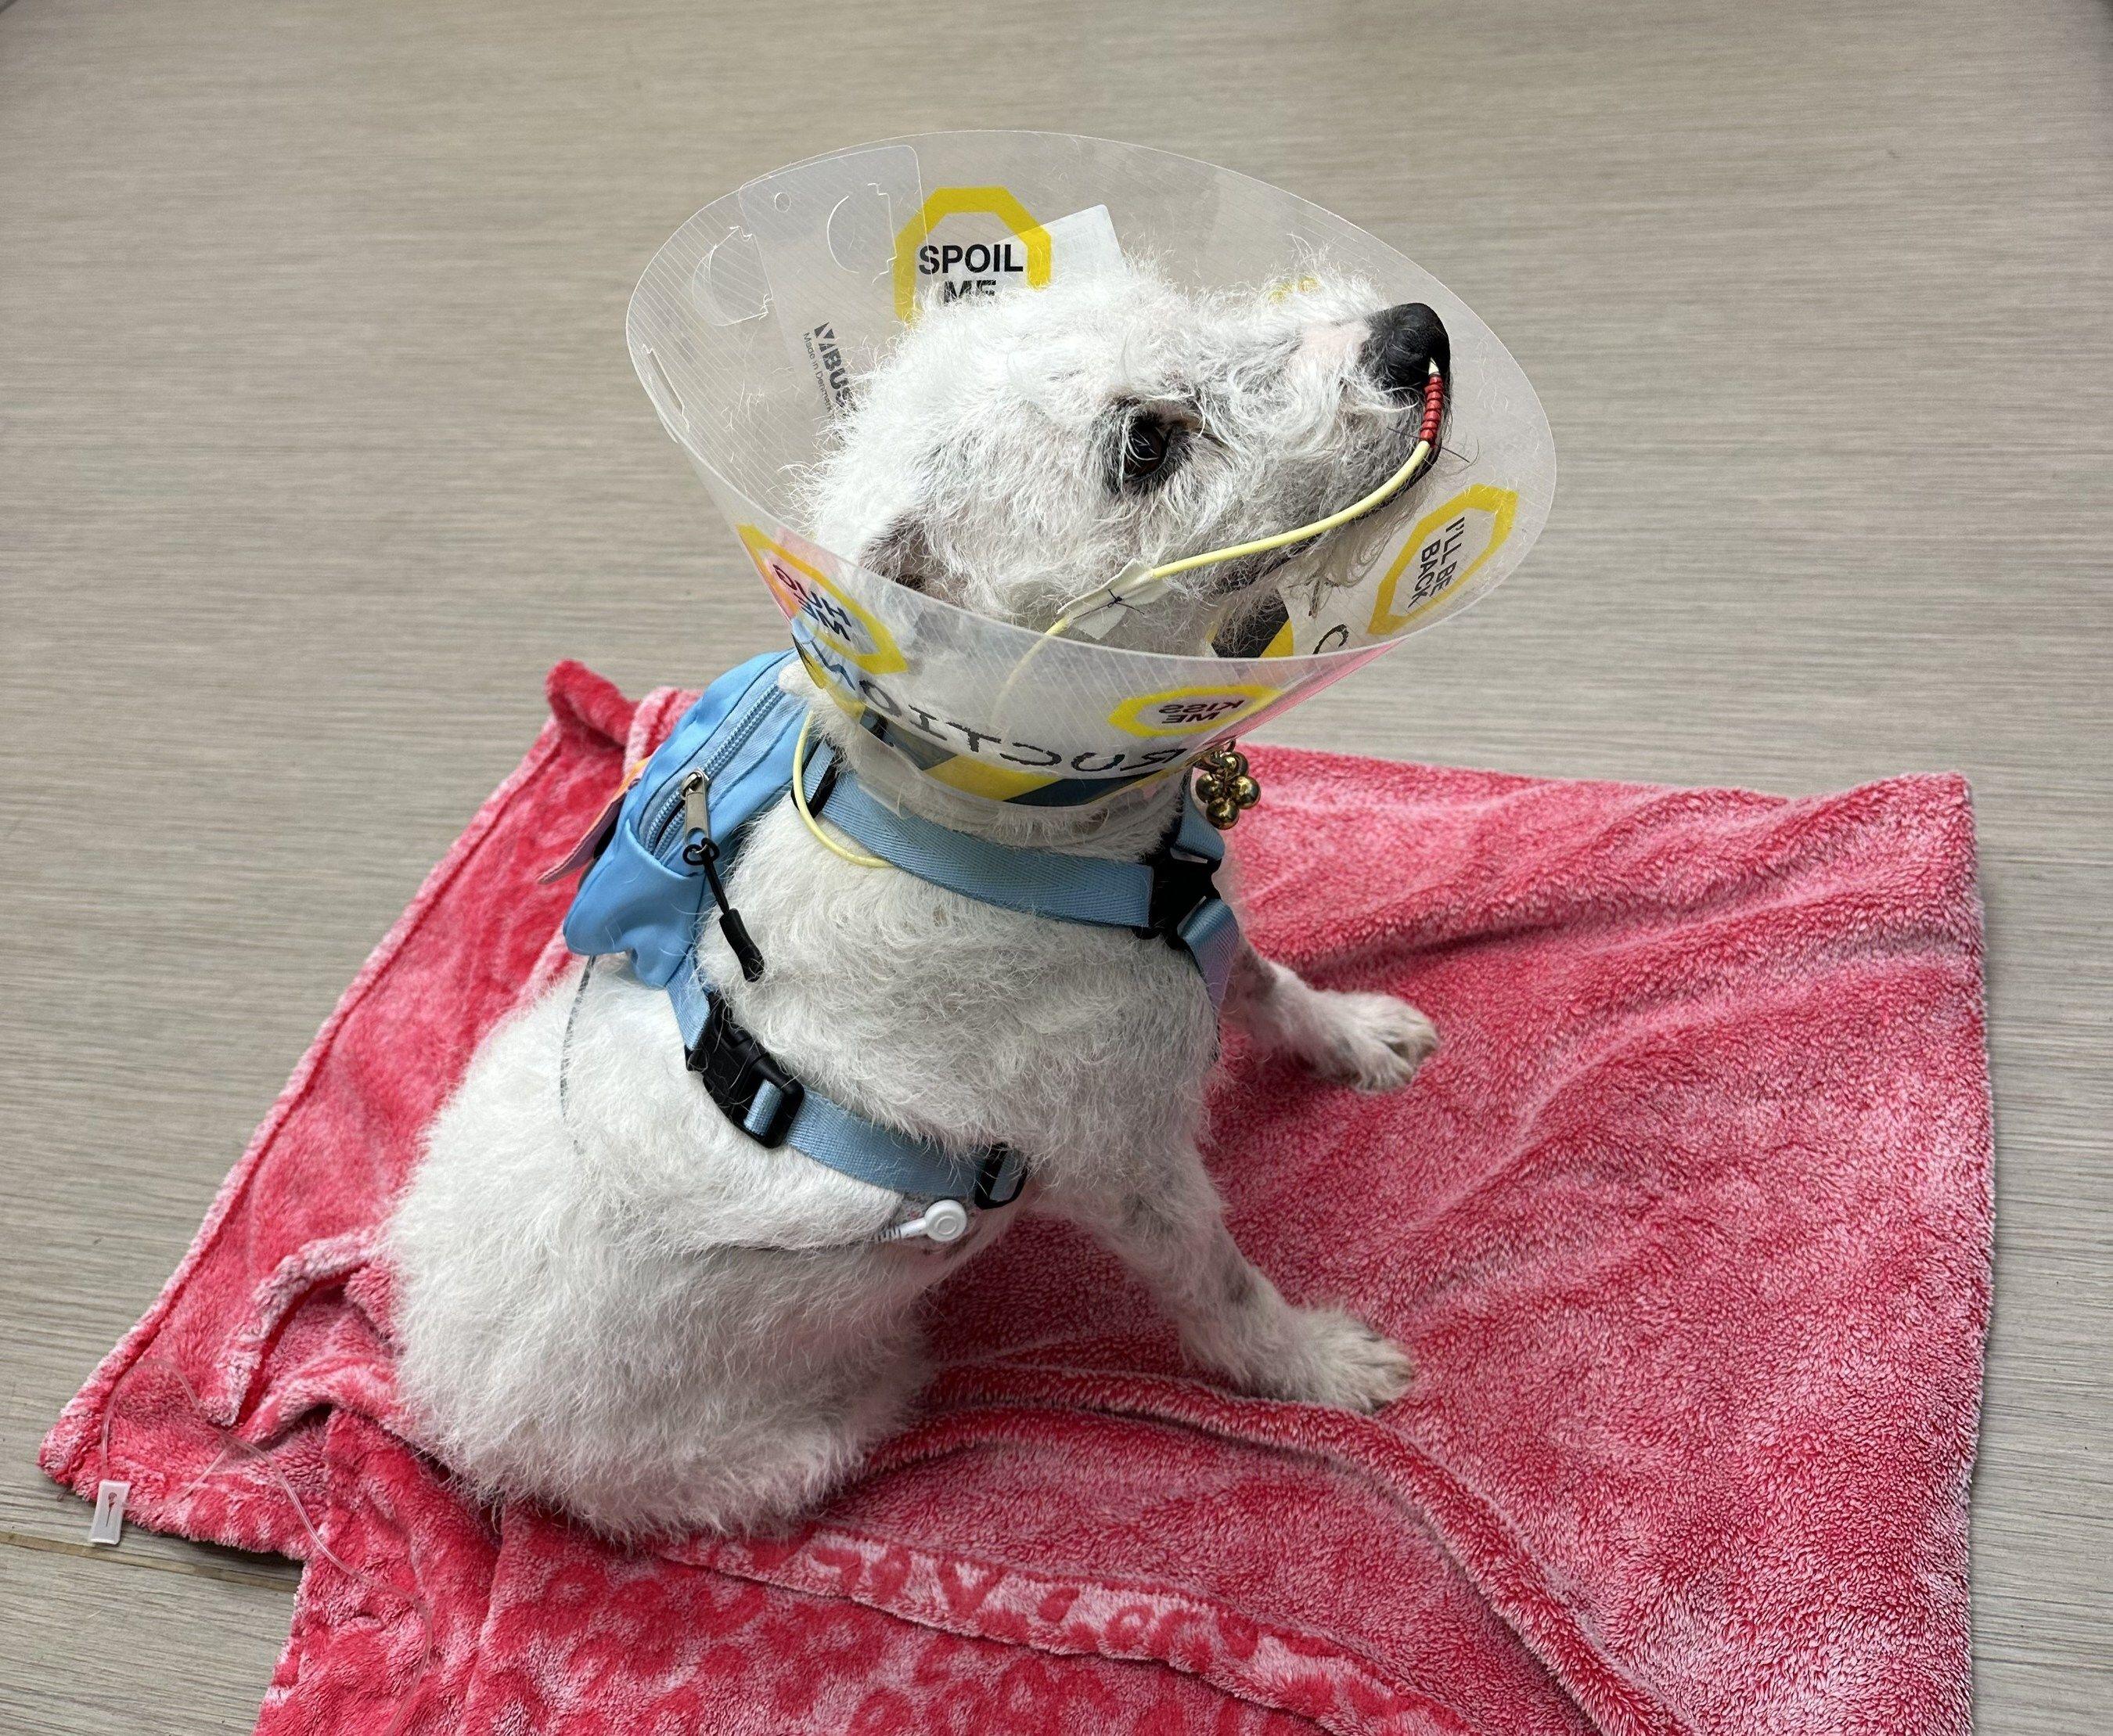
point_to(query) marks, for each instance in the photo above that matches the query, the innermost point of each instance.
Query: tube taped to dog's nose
(861, 248)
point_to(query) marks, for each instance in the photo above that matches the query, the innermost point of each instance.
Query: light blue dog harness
(658, 873)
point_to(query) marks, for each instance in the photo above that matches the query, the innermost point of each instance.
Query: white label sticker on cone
(974, 254)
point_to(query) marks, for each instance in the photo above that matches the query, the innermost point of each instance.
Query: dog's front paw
(1375, 1042)
(1335, 1359)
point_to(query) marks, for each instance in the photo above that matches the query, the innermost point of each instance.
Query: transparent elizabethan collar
(752, 326)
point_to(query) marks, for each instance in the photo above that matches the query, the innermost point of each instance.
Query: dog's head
(1011, 453)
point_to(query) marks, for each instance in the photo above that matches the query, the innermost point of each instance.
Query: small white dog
(611, 1300)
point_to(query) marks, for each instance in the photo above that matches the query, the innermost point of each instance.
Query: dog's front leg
(1375, 1042)
(1170, 1231)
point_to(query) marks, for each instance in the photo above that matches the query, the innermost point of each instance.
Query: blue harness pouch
(646, 891)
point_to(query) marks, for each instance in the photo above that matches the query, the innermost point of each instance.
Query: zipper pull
(747, 954)
(696, 791)
(701, 852)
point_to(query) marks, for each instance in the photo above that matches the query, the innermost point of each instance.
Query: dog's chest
(887, 989)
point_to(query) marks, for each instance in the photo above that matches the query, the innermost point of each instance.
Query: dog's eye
(1149, 440)
(1144, 449)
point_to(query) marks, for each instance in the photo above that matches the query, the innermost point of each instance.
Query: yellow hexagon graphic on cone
(805, 593)
(947, 202)
(1449, 544)
(1189, 710)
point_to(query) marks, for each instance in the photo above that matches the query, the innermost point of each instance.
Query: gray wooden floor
(318, 443)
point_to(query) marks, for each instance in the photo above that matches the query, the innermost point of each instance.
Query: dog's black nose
(1406, 338)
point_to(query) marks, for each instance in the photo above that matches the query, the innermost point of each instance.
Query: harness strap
(1172, 895)
(774, 1109)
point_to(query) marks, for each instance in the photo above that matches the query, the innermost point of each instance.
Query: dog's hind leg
(1375, 1042)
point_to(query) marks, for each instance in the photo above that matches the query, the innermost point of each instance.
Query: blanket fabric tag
(108, 1525)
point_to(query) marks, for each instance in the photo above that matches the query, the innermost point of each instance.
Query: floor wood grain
(318, 443)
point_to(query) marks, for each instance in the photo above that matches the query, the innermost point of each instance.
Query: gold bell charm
(1224, 787)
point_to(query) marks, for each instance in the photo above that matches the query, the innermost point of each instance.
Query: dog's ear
(901, 553)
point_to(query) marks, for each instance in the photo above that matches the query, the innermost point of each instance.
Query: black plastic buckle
(990, 1177)
(735, 1068)
(1180, 885)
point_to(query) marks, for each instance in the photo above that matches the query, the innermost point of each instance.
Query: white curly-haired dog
(611, 1300)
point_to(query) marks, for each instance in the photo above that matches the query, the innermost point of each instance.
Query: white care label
(108, 1525)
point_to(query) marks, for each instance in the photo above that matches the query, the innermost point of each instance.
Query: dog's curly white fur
(610, 1300)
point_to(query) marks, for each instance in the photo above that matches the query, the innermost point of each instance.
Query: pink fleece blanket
(1687, 1225)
